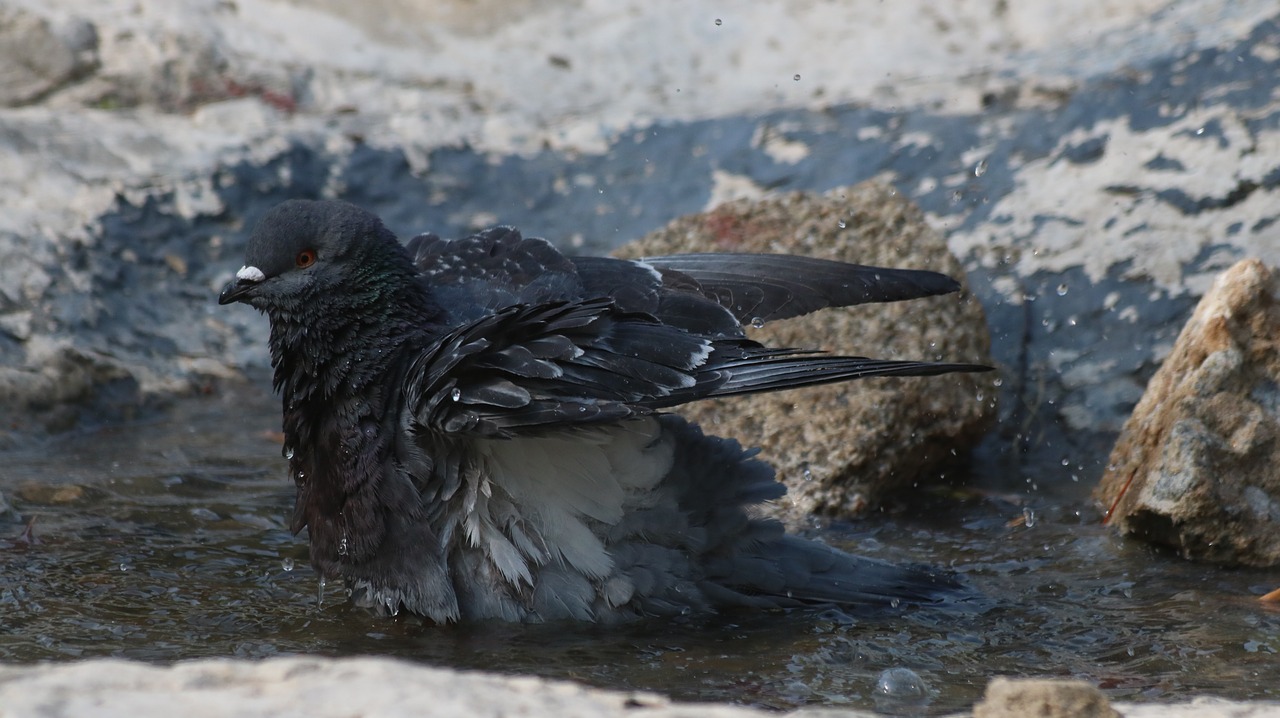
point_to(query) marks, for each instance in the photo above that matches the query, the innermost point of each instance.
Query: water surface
(165, 540)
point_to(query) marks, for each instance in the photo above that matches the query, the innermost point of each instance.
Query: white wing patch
(250, 273)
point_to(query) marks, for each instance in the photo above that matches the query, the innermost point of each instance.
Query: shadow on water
(165, 540)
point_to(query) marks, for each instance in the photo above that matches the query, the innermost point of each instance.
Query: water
(165, 540)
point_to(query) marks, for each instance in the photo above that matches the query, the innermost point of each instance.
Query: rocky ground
(1092, 165)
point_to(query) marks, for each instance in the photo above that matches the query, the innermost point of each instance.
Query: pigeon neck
(338, 345)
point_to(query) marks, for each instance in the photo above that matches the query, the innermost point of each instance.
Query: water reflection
(165, 540)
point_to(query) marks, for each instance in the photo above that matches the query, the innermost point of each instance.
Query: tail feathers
(773, 373)
(794, 571)
(817, 572)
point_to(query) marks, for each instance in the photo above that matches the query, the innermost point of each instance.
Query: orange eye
(305, 258)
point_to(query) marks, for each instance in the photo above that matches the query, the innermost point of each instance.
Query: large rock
(841, 448)
(1195, 466)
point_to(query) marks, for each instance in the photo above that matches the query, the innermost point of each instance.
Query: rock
(316, 688)
(39, 55)
(1195, 465)
(1008, 698)
(841, 448)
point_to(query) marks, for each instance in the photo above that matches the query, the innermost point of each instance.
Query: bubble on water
(717, 22)
(1062, 289)
(901, 685)
(980, 168)
(796, 77)
(287, 564)
(456, 394)
(757, 322)
(1029, 517)
(125, 567)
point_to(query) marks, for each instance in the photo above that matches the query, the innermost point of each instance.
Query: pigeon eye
(305, 258)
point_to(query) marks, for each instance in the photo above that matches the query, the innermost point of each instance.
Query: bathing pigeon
(478, 428)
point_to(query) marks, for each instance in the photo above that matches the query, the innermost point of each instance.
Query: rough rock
(373, 687)
(1006, 698)
(841, 449)
(311, 687)
(1195, 466)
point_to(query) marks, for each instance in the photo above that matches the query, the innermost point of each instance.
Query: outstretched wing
(533, 368)
(711, 294)
(764, 287)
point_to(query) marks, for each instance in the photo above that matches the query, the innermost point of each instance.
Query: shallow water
(165, 540)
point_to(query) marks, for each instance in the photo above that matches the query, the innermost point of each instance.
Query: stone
(316, 688)
(840, 449)
(1041, 698)
(39, 56)
(1195, 466)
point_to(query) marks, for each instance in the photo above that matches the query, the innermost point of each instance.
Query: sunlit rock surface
(1195, 467)
(840, 449)
(376, 687)
(1007, 698)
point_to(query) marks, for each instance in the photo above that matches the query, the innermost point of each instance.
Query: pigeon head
(303, 251)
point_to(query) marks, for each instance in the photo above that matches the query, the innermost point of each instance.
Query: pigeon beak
(241, 287)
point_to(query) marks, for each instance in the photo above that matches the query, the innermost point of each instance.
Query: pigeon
(478, 429)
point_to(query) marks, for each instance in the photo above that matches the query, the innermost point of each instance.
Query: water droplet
(287, 564)
(342, 547)
(980, 168)
(456, 394)
(124, 567)
(1029, 517)
(841, 224)
(980, 396)
(288, 452)
(901, 684)
(1066, 461)
(1062, 289)
(796, 77)
(757, 322)
(717, 22)
(320, 592)
(895, 603)
(1198, 132)
(301, 478)
(997, 382)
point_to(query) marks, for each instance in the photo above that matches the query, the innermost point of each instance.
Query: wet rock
(1195, 466)
(841, 448)
(1007, 698)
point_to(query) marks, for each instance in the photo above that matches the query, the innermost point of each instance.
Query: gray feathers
(475, 425)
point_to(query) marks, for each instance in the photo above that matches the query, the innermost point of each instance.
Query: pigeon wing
(764, 287)
(527, 368)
